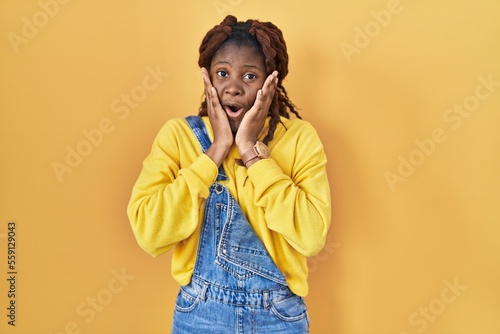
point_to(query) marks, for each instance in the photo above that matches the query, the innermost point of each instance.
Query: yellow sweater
(285, 198)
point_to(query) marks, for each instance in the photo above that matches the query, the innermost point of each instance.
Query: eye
(222, 73)
(250, 76)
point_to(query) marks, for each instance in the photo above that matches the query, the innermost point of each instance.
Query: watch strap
(259, 150)
(246, 157)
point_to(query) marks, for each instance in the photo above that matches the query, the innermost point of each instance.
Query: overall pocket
(290, 309)
(187, 299)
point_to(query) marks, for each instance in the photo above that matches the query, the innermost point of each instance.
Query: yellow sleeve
(297, 206)
(166, 200)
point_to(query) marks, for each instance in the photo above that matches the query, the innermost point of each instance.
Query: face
(237, 73)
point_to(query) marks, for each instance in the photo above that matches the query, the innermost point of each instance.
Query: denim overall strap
(200, 131)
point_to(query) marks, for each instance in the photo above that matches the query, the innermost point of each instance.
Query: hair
(266, 38)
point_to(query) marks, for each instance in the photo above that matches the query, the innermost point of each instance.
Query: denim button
(218, 189)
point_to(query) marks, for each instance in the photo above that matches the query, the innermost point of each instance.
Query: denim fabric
(236, 287)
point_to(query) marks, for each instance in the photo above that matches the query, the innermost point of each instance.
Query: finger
(270, 85)
(271, 80)
(205, 76)
(210, 91)
(260, 108)
(213, 103)
(206, 80)
(266, 94)
(214, 99)
(214, 108)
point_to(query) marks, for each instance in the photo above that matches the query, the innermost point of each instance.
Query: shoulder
(175, 136)
(299, 136)
(297, 124)
(179, 127)
(296, 146)
(173, 126)
(295, 128)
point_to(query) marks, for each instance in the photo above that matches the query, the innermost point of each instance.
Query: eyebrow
(227, 62)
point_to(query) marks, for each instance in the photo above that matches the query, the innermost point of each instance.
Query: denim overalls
(236, 288)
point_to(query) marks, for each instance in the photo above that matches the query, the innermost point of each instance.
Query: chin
(234, 128)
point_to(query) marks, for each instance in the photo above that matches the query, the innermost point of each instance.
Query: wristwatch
(259, 150)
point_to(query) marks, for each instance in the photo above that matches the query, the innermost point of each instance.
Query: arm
(295, 199)
(166, 201)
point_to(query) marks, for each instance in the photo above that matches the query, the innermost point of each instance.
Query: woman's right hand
(223, 136)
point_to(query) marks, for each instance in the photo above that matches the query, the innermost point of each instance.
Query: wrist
(252, 161)
(245, 147)
(217, 153)
(253, 154)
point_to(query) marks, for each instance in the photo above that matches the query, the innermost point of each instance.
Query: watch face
(262, 150)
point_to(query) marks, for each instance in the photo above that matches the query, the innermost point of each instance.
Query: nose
(233, 87)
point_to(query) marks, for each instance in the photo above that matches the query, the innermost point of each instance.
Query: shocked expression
(237, 73)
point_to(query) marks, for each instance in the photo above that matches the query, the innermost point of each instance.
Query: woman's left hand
(254, 119)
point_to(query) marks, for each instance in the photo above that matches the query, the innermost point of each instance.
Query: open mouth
(233, 109)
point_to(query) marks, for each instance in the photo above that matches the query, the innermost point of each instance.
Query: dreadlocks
(267, 39)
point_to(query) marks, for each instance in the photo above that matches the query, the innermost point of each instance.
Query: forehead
(235, 55)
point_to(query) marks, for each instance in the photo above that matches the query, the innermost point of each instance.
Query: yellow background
(415, 240)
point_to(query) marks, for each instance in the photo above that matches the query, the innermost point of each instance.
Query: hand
(255, 118)
(223, 137)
